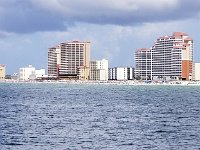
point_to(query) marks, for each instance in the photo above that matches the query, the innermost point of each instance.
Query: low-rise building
(30, 73)
(83, 73)
(2, 71)
(15, 76)
(26, 73)
(120, 73)
(196, 72)
(40, 73)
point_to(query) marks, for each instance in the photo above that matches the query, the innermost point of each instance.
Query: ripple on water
(61, 116)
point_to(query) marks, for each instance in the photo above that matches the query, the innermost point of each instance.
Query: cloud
(57, 15)
(121, 12)
(5, 34)
(21, 17)
(114, 42)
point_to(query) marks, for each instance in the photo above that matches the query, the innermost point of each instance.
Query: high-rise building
(69, 60)
(99, 70)
(2, 71)
(171, 58)
(143, 64)
(52, 61)
(120, 73)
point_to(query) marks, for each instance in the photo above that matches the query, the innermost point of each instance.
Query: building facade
(69, 60)
(99, 70)
(52, 61)
(26, 73)
(40, 73)
(2, 72)
(196, 72)
(120, 73)
(143, 64)
(171, 58)
(30, 73)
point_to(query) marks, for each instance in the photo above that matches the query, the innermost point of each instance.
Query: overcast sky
(116, 28)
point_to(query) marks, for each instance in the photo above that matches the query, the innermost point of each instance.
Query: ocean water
(102, 117)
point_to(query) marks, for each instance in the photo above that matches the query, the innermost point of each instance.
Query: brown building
(69, 60)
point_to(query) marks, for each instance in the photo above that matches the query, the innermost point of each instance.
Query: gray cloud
(21, 17)
(49, 15)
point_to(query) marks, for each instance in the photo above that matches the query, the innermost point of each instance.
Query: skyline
(116, 30)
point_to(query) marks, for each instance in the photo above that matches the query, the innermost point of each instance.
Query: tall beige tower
(69, 60)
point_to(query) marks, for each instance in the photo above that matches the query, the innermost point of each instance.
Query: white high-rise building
(99, 70)
(143, 64)
(171, 58)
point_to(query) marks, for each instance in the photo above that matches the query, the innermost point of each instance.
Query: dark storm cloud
(145, 11)
(22, 16)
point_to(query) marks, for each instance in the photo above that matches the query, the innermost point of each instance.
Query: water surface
(109, 117)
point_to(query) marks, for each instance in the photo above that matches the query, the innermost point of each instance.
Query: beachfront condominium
(171, 58)
(143, 64)
(120, 73)
(2, 71)
(69, 60)
(99, 70)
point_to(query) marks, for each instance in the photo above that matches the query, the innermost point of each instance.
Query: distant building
(133, 73)
(171, 58)
(30, 73)
(12, 77)
(2, 71)
(196, 72)
(69, 60)
(82, 73)
(120, 73)
(15, 76)
(99, 70)
(26, 72)
(40, 73)
(143, 64)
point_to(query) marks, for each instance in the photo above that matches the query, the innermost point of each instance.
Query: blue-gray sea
(40, 116)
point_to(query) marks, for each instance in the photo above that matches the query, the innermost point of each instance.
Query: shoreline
(109, 82)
